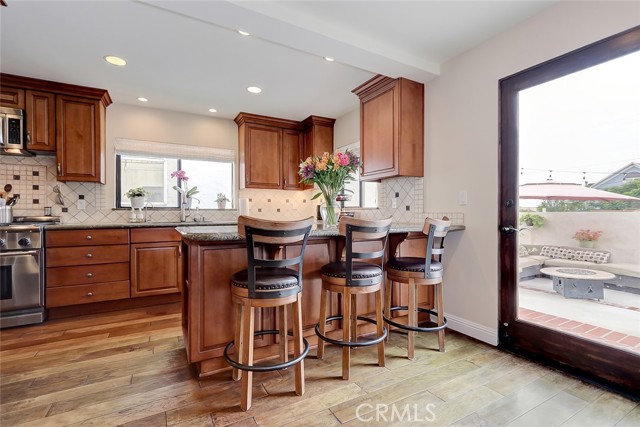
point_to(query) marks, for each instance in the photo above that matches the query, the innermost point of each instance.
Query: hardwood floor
(129, 368)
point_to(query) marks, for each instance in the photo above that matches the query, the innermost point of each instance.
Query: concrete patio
(614, 320)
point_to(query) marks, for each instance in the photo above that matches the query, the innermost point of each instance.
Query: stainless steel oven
(21, 275)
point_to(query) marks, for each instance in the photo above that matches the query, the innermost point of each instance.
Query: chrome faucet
(184, 209)
(147, 214)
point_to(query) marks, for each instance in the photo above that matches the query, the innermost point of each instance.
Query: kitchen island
(214, 254)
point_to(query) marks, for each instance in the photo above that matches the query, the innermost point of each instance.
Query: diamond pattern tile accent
(266, 204)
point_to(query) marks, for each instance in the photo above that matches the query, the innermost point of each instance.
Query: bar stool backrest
(362, 230)
(258, 231)
(436, 230)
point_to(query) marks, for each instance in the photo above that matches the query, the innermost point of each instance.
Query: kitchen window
(149, 165)
(364, 194)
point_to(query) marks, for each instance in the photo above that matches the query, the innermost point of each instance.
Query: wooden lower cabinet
(156, 268)
(156, 262)
(85, 294)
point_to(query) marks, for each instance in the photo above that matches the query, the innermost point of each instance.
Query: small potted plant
(222, 201)
(532, 220)
(136, 196)
(587, 238)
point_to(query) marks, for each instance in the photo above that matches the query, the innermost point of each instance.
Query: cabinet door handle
(89, 237)
(89, 294)
(28, 137)
(59, 169)
(89, 274)
(89, 255)
(246, 179)
(179, 251)
(285, 182)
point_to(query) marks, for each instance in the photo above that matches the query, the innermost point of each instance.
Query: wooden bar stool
(350, 279)
(415, 272)
(265, 283)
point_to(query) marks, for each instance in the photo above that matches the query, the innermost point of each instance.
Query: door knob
(508, 229)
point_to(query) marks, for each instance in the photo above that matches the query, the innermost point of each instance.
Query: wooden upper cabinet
(11, 97)
(292, 153)
(80, 144)
(40, 111)
(263, 157)
(65, 119)
(318, 137)
(262, 151)
(391, 127)
(271, 149)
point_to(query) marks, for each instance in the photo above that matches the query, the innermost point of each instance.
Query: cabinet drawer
(85, 294)
(85, 274)
(84, 255)
(152, 235)
(86, 237)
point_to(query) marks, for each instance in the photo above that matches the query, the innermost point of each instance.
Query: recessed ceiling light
(243, 33)
(115, 60)
(326, 58)
(142, 99)
(213, 110)
(254, 89)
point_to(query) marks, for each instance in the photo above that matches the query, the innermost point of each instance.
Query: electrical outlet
(394, 203)
(82, 204)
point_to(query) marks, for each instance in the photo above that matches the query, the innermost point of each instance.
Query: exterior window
(154, 174)
(363, 194)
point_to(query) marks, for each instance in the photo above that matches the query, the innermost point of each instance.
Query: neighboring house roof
(630, 171)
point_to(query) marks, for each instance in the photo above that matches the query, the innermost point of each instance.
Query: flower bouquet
(329, 173)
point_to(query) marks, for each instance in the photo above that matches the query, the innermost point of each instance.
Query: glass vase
(330, 213)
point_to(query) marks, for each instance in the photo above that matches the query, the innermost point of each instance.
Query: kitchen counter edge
(230, 232)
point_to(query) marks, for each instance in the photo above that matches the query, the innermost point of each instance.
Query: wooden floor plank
(129, 368)
(606, 411)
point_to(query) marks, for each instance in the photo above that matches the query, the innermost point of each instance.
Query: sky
(588, 121)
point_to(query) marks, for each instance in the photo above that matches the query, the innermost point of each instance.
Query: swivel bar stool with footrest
(267, 282)
(351, 278)
(414, 272)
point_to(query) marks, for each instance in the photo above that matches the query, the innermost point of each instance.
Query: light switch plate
(462, 198)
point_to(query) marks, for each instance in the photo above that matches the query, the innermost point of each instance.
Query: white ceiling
(187, 56)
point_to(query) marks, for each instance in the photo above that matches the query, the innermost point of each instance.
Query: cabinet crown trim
(243, 118)
(317, 121)
(21, 82)
(372, 84)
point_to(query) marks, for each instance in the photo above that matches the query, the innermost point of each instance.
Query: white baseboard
(474, 330)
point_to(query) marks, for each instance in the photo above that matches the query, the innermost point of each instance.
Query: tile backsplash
(34, 178)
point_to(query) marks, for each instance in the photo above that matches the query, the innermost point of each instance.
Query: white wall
(148, 124)
(620, 232)
(347, 129)
(461, 143)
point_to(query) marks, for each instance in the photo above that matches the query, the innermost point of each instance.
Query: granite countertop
(230, 232)
(192, 224)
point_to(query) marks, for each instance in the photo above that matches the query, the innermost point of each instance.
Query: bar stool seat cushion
(412, 264)
(361, 270)
(267, 279)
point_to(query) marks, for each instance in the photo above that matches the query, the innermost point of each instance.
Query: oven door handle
(22, 253)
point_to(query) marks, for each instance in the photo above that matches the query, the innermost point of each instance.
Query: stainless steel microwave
(12, 132)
